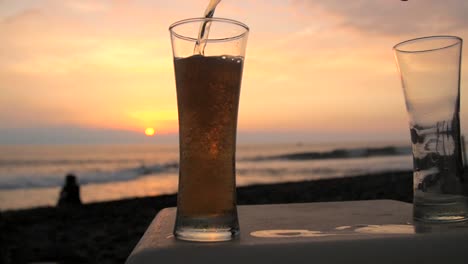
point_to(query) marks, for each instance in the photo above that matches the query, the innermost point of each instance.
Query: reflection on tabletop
(390, 229)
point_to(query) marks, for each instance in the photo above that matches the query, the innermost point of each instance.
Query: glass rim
(212, 19)
(458, 40)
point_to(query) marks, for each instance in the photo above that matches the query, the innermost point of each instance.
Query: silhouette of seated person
(70, 193)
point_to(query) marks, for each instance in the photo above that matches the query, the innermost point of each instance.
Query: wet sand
(107, 232)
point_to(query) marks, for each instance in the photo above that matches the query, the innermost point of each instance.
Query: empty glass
(430, 76)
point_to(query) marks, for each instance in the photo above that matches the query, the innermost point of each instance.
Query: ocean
(32, 175)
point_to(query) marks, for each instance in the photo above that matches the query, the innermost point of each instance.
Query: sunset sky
(85, 71)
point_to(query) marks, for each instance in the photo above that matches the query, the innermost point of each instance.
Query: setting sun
(149, 132)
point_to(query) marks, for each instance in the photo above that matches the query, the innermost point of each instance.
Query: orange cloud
(310, 66)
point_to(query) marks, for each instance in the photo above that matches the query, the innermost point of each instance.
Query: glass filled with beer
(208, 62)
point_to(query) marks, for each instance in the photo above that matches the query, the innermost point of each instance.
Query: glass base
(205, 235)
(436, 208)
(212, 228)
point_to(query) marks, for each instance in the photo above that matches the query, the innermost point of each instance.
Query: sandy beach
(107, 232)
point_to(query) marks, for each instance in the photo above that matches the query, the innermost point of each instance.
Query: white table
(378, 231)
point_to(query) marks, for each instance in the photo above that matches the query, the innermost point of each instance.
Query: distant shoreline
(135, 168)
(106, 232)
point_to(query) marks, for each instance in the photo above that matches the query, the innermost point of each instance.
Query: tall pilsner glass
(208, 89)
(430, 75)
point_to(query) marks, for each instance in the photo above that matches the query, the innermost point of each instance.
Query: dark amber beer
(208, 89)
